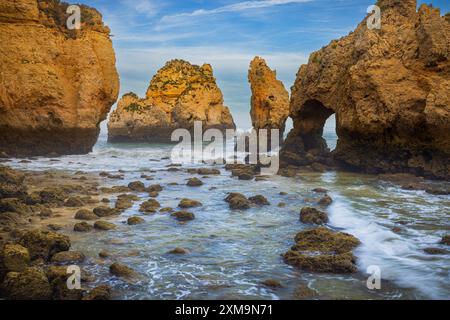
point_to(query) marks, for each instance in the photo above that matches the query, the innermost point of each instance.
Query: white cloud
(237, 7)
(145, 7)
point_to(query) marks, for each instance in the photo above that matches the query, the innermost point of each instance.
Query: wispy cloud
(144, 7)
(236, 7)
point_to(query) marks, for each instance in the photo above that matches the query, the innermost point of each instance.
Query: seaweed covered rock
(12, 183)
(44, 244)
(390, 91)
(323, 250)
(31, 284)
(179, 94)
(56, 84)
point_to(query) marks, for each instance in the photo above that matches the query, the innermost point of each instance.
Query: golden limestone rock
(270, 100)
(56, 84)
(178, 95)
(390, 91)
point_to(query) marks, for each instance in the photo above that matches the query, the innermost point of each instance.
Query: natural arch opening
(311, 121)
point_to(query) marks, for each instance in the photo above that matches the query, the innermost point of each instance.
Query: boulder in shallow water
(137, 186)
(100, 293)
(188, 203)
(313, 216)
(194, 182)
(259, 200)
(446, 240)
(238, 201)
(183, 216)
(322, 250)
(85, 214)
(122, 271)
(68, 257)
(133, 221)
(105, 212)
(179, 250)
(83, 227)
(104, 225)
(325, 201)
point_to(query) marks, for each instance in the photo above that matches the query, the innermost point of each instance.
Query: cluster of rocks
(34, 267)
(238, 201)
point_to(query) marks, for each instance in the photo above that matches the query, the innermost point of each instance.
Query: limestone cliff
(179, 94)
(390, 91)
(270, 100)
(56, 85)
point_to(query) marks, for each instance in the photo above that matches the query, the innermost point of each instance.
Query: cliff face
(390, 91)
(270, 100)
(56, 85)
(178, 95)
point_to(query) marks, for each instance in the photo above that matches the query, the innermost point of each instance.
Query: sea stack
(390, 91)
(270, 99)
(56, 84)
(179, 95)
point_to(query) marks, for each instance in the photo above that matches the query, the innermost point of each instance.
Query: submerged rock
(85, 214)
(150, 206)
(313, 216)
(194, 182)
(179, 94)
(446, 240)
(271, 283)
(188, 203)
(100, 293)
(122, 271)
(259, 200)
(83, 227)
(179, 250)
(133, 221)
(389, 90)
(183, 216)
(325, 201)
(58, 84)
(238, 201)
(68, 257)
(105, 212)
(323, 250)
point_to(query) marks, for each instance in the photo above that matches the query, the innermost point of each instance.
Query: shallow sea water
(232, 252)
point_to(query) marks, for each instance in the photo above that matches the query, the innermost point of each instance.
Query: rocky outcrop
(390, 91)
(56, 84)
(270, 100)
(178, 95)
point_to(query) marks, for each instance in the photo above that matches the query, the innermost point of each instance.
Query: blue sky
(227, 34)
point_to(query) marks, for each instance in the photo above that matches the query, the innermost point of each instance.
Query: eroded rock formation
(390, 91)
(56, 84)
(270, 100)
(178, 95)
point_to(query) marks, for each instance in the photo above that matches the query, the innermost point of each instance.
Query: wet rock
(54, 227)
(133, 221)
(153, 194)
(105, 212)
(74, 202)
(154, 188)
(31, 284)
(68, 257)
(194, 182)
(303, 292)
(238, 201)
(83, 227)
(86, 215)
(435, 251)
(149, 206)
(313, 216)
(122, 271)
(44, 244)
(320, 190)
(446, 240)
(397, 229)
(105, 200)
(104, 254)
(104, 225)
(137, 186)
(123, 204)
(100, 293)
(323, 250)
(271, 283)
(188, 203)
(46, 213)
(15, 258)
(14, 205)
(166, 210)
(179, 251)
(12, 183)
(282, 205)
(183, 215)
(259, 200)
(208, 172)
(282, 193)
(246, 176)
(54, 196)
(325, 201)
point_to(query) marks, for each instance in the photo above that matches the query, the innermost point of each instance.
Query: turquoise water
(232, 252)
